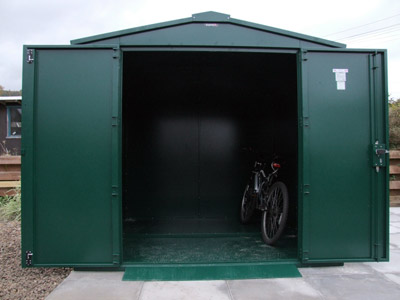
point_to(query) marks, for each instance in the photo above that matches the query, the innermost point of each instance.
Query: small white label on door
(340, 77)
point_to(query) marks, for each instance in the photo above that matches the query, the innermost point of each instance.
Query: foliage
(4, 92)
(10, 206)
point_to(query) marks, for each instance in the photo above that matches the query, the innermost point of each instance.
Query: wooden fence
(10, 173)
(394, 178)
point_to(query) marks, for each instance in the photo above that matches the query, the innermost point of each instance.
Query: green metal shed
(132, 149)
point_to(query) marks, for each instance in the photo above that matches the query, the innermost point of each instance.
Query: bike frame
(260, 179)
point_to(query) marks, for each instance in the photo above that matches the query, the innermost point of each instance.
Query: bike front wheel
(275, 215)
(247, 207)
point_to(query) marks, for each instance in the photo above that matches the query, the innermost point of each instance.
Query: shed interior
(189, 118)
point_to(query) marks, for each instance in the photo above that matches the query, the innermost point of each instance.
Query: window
(14, 121)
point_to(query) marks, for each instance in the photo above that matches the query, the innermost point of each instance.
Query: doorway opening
(188, 120)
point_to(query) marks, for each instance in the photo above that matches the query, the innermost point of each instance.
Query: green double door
(71, 157)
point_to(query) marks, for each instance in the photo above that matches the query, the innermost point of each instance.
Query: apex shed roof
(208, 29)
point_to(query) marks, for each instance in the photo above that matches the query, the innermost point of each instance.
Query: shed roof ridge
(210, 15)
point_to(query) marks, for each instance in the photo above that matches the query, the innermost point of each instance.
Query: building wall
(10, 145)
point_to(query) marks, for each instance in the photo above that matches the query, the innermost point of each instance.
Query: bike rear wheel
(275, 216)
(247, 207)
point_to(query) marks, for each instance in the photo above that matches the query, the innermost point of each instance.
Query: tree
(4, 92)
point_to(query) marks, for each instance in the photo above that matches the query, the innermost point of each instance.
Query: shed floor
(201, 241)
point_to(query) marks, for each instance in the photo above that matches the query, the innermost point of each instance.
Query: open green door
(344, 190)
(70, 162)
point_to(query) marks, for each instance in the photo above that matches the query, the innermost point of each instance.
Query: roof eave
(288, 33)
(134, 30)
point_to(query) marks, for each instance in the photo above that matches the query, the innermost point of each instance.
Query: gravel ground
(18, 283)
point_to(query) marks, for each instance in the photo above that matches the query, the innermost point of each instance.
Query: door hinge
(114, 192)
(303, 55)
(116, 258)
(29, 56)
(116, 53)
(306, 189)
(114, 121)
(306, 122)
(28, 258)
(305, 255)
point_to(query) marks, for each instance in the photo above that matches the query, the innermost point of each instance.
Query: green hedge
(10, 206)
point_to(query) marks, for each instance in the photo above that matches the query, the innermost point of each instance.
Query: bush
(10, 206)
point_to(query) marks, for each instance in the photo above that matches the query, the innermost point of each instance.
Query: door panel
(339, 181)
(72, 157)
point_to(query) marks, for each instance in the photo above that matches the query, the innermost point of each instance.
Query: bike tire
(247, 207)
(275, 215)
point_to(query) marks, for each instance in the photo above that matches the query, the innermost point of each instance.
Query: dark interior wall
(187, 118)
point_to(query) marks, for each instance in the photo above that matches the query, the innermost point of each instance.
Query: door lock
(378, 157)
(381, 151)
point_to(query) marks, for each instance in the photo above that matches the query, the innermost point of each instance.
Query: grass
(10, 206)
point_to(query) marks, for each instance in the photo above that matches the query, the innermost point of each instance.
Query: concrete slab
(395, 210)
(394, 241)
(395, 224)
(394, 218)
(394, 229)
(96, 286)
(289, 288)
(193, 290)
(393, 266)
(98, 275)
(347, 269)
(355, 287)
(393, 277)
(352, 281)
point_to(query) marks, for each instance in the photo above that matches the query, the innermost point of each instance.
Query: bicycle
(263, 192)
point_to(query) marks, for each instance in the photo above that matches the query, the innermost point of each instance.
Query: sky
(356, 23)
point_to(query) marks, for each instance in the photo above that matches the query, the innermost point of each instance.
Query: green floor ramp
(169, 272)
